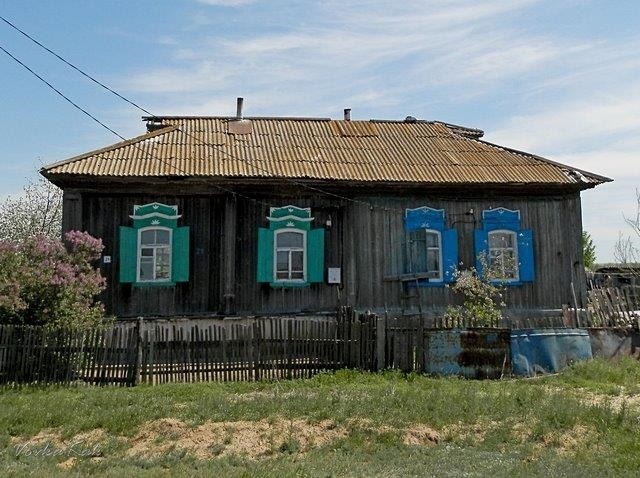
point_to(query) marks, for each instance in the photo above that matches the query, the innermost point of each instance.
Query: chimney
(239, 125)
(347, 114)
(239, 108)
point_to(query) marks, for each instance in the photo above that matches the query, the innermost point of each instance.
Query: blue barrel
(539, 351)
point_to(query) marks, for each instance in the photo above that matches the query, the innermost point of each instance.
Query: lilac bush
(48, 281)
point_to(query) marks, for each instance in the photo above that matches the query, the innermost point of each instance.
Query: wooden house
(220, 216)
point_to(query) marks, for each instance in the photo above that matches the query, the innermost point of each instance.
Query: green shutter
(128, 254)
(265, 255)
(180, 255)
(315, 255)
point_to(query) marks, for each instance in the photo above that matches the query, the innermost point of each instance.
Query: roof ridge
(111, 147)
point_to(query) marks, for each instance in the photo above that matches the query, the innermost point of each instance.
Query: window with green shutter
(290, 253)
(155, 251)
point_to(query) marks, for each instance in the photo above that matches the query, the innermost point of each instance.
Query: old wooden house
(221, 216)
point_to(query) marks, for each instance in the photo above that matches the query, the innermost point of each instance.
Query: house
(206, 216)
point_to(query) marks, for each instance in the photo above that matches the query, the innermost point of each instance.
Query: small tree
(588, 250)
(482, 297)
(625, 251)
(44, 281)
(37, 211)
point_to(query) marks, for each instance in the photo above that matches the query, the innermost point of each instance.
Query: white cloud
(573, 99)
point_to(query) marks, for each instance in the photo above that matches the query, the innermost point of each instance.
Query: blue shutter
(128, 254)
(449, 254)
(265, 255)
(315, 255)
(525, 255)
(481, 247)
(180, 255)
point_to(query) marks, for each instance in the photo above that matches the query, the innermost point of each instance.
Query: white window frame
(440, 255)
(139, 254)
(277, 249)
(516, 263)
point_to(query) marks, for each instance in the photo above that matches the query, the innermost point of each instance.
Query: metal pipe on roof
(347, 114)
(240, 102)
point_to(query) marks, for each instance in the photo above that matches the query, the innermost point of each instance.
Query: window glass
(425, 252)
(148, 237)
(503, 255)
(290, 239)
(162, 237)
(297, 258)
(283, 261)
(154, 256)
(290, 255)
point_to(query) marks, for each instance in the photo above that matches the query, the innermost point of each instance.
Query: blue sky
(556, 78)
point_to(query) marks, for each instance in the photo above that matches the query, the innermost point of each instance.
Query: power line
(68, 63)
(122, 97)
(66, 98)
(84, 111)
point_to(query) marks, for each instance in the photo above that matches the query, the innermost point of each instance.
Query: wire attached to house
(132, 103)
(108, 128)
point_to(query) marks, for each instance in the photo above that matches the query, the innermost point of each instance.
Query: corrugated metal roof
(303, 148)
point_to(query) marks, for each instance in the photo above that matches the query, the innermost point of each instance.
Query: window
(503, 255)
(154, 255)
(290, 255)
(504, 247)
(155, 251)
(432, 250)
(425, 251)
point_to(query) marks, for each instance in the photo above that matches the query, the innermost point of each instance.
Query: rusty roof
(319, 149)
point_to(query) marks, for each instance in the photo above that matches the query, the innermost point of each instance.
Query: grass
(584, 421)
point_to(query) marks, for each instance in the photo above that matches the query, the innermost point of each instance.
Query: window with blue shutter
(432, 250)
(290, 253)
(504, 251)
(155, 251)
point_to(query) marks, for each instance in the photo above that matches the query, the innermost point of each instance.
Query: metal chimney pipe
(239, 108)
(347, 114)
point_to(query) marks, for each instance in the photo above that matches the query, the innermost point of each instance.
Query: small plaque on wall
(106, 259)
(333, 275)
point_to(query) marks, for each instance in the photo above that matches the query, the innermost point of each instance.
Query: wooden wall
(366, 243)
(102, 215)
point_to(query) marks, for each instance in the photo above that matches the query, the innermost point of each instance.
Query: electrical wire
(132, 103)
(108, 128)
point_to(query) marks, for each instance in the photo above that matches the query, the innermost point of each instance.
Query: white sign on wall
(333, 275)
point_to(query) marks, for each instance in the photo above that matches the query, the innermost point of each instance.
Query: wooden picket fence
(612, 307)
(269, 348)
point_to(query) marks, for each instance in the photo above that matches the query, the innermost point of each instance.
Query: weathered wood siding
(102, 215)
(366, 243)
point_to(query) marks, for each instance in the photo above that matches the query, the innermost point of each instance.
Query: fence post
(138, 369)
(381, 329)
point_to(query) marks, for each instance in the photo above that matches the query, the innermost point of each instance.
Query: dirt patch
(572, 440)
(473, 433)
(421, 435)
(565, 443)
(67, 464)
(246, 438)
(616, 402)
(47, 435)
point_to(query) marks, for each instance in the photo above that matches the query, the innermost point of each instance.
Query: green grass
(536, 427)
